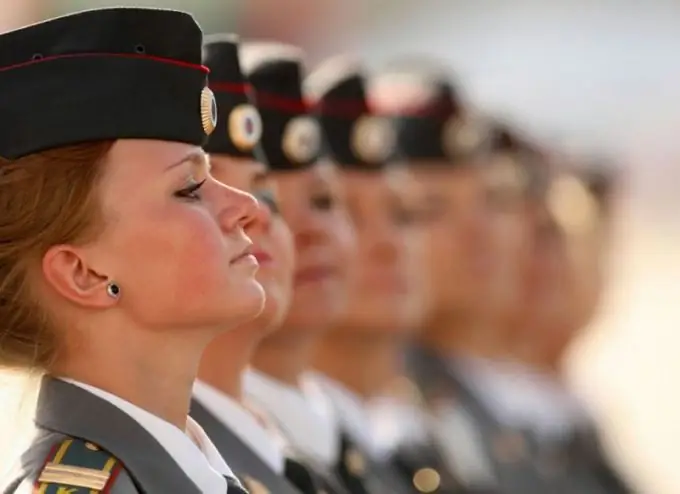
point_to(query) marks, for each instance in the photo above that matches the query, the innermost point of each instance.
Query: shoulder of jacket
(76, 466)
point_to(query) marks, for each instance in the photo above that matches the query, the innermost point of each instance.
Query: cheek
(413, 253)
(445, 249)
(343, 239)
(166, 250)
(283, 248)
(509, 243)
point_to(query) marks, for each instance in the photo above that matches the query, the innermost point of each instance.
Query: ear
(67, 272)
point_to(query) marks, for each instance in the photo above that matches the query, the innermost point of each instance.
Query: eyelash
(190, 192)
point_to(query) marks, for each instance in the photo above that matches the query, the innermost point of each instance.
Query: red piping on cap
(170, 61)
(275, 102)
(229, 87)
(342, 108)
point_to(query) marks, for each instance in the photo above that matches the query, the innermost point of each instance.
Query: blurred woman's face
(565, 279)
(312, 203)
(587, 252)
(454, 218)
(387, 290)
(510, 240)
(272, 240)
(174, 238)
(543, 319)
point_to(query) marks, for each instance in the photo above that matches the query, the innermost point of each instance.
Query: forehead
(142, 157)
(242, 166)
(379, 186)
(324, 172)
(243, 176)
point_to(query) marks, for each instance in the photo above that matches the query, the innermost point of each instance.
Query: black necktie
(234, 486)
(298, 475)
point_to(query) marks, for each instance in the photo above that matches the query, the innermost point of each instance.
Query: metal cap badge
(572, 204)
(208, 111)
(373, 139)
(301, 140)
(245, 127)
(462, 136)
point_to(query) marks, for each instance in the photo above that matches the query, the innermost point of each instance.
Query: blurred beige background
(602, 73)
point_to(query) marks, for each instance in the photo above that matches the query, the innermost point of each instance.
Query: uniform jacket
(85, 444)
(520, 461)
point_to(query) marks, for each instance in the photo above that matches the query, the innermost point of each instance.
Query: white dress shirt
(199, 460)
(396, 422)
(241, 422)
(303, 416)
(352, 412)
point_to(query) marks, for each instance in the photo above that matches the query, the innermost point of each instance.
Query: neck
(465, 336)
(225, 359)
(284, 357)
(365, 364)
(153, 370)
(540, 355)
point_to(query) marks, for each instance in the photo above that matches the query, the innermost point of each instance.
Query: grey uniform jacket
(522, 462)
(361, 474)
(85, 444)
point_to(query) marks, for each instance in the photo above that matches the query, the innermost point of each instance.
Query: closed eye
(191, 191)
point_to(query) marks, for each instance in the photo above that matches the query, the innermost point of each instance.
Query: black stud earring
(113, 290)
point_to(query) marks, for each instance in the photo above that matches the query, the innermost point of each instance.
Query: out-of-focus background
(599, 73)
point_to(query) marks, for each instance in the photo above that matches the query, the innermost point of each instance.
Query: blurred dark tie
(234, 486)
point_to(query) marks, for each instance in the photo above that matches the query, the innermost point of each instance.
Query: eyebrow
(197, 157)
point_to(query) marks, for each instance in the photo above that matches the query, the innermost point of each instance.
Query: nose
(262, 220)
(241, 209)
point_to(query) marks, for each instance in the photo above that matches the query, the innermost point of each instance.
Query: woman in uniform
(564, 285)
(119, 249)
(311, 202)
(445, 148)
(478, 178)
(240, 435)
(362, 353)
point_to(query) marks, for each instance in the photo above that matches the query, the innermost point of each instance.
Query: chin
(272, 315)
(247, 304)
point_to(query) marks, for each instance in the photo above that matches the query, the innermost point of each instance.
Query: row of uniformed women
(134, 221)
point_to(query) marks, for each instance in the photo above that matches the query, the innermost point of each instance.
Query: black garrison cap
(291, 138)
(353, 136)
(104, 74)
(436, 127)
(239, 126)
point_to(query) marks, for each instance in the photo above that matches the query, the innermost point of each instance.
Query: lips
(245, 253)
(314, 274)
(262, 256)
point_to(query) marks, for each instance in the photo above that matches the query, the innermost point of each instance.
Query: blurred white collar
(242, 423)
(352, 412)
(304, 416)
(395, 423)
(520, 396)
